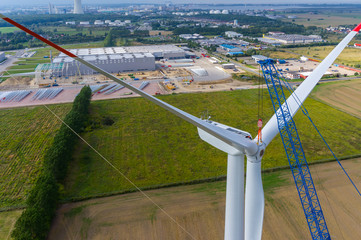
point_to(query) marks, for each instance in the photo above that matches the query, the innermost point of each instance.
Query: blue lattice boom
(295, 154)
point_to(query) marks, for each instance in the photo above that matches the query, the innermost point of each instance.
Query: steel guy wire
(305, 112)
(123, 175)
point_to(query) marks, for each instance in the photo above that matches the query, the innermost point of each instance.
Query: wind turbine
(244, 211)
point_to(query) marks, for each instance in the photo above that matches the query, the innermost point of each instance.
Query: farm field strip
(343, 95)
(326, 19)
(28, 131)
(350, 56)
(200, 209)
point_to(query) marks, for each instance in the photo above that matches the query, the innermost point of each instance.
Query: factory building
(292, 38)
(112, 59)
(115, 63)
(232, 34)
(158, 51)
(2, 56)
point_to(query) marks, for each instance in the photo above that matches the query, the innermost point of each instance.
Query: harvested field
(327, 19)
(200, 210)
(343, 95)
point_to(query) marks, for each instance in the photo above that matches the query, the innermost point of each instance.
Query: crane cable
(305, 112)
(260, 107)
(147, 196)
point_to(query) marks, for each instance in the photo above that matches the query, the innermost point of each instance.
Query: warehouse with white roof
(114, 59)
(114, 63)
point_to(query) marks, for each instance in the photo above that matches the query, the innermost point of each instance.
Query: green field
(151, 146)
(29, 64)
(26, 134)
(16, 71)
(350, 56)
(8, 29)
(282, 54)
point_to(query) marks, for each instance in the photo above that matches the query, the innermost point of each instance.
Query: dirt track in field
(200, 210)
(343, 95)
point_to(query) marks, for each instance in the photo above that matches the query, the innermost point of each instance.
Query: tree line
(41, 204)
(20, 40)
(124, 35)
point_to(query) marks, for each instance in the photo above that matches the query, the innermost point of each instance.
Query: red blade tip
(358, 28)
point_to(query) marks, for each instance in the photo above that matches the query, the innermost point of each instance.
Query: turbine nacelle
(244, 137)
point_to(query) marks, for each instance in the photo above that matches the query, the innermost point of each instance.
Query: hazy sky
(27, 2)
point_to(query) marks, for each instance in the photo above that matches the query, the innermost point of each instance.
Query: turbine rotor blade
(233, 139)
(301, 93)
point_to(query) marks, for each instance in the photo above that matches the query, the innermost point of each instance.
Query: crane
(295, 154)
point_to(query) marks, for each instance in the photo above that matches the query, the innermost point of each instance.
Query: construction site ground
(180, 77)
(200, 210)
(308, 66)
(70, 92)
(222, 85)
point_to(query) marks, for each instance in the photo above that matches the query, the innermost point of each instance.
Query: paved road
(242, 66)
(10, 60)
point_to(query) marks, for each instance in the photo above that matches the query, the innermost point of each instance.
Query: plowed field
(343, 95)
(200, 210)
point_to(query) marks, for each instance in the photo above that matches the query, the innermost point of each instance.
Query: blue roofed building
(230, 48)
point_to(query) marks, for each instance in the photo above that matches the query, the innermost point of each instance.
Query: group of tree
(41, 204)
(258, 25)
(123, 36)
(19, 40)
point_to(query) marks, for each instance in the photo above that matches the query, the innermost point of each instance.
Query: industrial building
(232, 34)
(115, 63)
(292, 38)
(111, 59)
(257, 58)
(2, 56)
(158, 51)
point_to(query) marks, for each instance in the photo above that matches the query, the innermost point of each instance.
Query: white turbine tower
(77, 7)
(244, 215)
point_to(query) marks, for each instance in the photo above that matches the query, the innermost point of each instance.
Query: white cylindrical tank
(77, 7)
